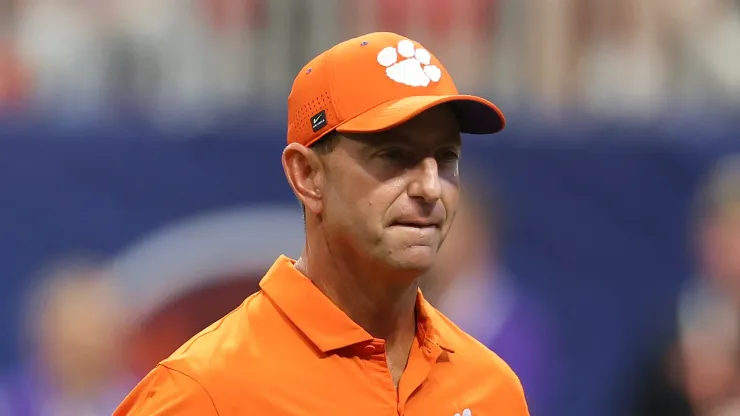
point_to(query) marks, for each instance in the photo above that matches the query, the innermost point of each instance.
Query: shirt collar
(321, 321)
(429, 324)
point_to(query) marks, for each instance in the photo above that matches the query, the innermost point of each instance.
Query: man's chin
(413, 259)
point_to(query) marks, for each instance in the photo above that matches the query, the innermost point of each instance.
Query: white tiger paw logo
(465, 412)
(415, 70)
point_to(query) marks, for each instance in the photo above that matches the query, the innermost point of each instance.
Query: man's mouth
(416, 224)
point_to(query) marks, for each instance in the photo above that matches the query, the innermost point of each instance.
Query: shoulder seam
(213, 403)
(220, 323)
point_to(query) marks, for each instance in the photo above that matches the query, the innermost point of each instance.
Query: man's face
(391, 196)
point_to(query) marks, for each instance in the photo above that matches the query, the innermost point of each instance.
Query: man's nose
(426, 183)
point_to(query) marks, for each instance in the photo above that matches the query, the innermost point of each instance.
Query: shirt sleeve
(167, 392)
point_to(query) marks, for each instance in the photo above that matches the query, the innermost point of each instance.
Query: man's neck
(368, 295)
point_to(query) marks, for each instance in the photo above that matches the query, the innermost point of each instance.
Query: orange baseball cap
(376, 82)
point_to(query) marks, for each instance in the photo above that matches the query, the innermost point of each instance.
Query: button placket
(376, 364)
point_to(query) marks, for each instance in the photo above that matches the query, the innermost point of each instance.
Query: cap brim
(476, 115)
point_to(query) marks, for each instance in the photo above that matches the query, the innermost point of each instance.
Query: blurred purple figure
(75, 340)
(471, 287)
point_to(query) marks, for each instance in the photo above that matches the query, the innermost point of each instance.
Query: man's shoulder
(480, 367)
(167, 391)
(208, 370)
(220, 349)
(470, 354)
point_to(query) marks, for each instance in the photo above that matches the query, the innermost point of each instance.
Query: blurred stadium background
(142, 193)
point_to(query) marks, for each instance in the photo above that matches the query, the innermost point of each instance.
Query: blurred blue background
(140, 146)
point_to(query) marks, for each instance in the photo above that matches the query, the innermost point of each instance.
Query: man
(373, 145)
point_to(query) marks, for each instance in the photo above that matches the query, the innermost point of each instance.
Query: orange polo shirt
(288, 350)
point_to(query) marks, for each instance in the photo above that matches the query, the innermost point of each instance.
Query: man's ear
(304, 172)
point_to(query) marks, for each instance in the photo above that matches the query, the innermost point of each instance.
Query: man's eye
(448, 156)
(395, 155)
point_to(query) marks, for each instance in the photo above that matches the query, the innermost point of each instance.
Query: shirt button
(369, 349)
